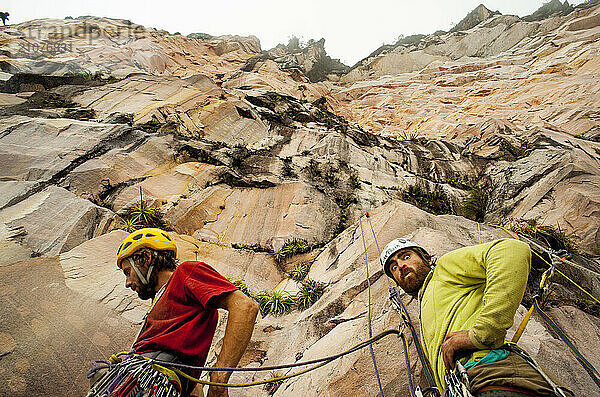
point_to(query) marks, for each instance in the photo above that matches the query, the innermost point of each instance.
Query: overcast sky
(352, 29)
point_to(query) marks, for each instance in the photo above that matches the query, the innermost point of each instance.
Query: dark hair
(423, 254)
(425, 257)
(160, 259)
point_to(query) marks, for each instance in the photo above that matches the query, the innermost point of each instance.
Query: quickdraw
(135, 377)
(457, 382)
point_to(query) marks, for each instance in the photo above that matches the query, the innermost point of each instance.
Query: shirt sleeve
(203, 282)
(507, 264)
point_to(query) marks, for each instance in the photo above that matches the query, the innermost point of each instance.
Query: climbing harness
(522, 353)
(399, 306)
(457, 380)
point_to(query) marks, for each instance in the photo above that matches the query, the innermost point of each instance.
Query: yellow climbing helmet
(153, 238)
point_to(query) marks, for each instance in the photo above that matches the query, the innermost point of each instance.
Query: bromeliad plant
(272, 387)
(129, 225)
(144, 214)
(275, 302)
(141, 215)
(310, 292)
(300, 271)
(291, 248)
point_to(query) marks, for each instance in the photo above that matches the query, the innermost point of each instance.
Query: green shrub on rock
(435, 202)
(310, 292)
(291, 248)
(300, 271)
(275, 302)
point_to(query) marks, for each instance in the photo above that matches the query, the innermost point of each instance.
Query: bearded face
(409, 270)
(132, 281)
(148, 291)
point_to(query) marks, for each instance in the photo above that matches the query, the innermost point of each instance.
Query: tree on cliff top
(4, 17)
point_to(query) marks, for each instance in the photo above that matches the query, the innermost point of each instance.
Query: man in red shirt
(184, 316)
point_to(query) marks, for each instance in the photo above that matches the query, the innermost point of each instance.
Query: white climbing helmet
(394, 246)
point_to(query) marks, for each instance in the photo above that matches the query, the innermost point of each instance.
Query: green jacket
(476, 288)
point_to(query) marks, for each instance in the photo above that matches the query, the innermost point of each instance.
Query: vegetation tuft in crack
(310, 292)
(140, 216)
(275, 302)
(433, 201)
(291, 248)
(252, 247)
(300, 271)
(475, 206)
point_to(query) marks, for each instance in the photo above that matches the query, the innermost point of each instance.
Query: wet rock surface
(244, 152)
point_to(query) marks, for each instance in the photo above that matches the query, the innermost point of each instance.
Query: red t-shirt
(181, 322)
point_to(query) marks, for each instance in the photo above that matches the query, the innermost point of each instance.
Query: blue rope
(369, 308)
(405, 348)
(395, 297)
(98, 367)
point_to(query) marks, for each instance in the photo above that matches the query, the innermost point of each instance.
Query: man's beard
(148, 291)
(420, 276)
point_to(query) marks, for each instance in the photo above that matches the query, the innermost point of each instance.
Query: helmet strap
(144, 280)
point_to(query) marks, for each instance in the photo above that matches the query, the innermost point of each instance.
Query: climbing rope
(369, 308)
(544, 282)
(397, 301)
(561, 334)
(407, 359)
(577, 285)
(177, 367)
(531, 242)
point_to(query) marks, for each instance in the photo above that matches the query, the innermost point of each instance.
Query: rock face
(550, 9)
(474, 18)
(243, 153)
(491, 90)
(44, 322)
(311, 60)
(489, 39)
(87, 45)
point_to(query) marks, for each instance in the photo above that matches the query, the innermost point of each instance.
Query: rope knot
(115, 359)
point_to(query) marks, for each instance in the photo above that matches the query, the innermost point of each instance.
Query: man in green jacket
(468, 301)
